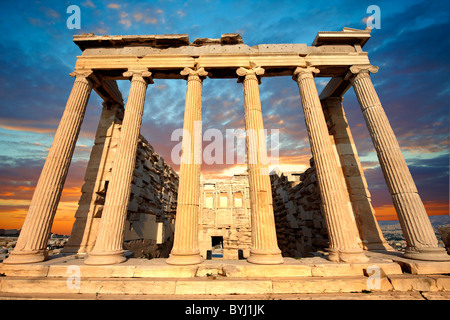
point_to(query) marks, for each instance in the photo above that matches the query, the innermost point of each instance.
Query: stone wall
(300, 225)
(149, 225)
(152, 206)
(301, 228)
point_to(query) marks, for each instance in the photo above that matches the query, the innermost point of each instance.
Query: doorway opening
(217, 247)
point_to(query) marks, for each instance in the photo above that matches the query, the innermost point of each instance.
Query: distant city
(394, 236)
(8, 240)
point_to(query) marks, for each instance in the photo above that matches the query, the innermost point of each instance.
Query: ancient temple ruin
(144, 59)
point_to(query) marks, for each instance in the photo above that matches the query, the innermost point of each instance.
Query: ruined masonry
(352, 230)
(299, 220)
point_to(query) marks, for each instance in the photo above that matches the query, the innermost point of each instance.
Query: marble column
(108, 245)
(420, 238)
(32, 242)
(264, 239)
(90, 205)
(185, 250)
(342, 230)
(370, 233)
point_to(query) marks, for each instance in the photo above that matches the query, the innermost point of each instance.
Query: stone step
(379, 295)
(158, 268)
(221, 285)
(193, 286)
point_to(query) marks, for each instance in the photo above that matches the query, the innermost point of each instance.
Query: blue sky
(412, 50)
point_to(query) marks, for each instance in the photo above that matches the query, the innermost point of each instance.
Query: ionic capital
(253, 73)
(302, 72)
(190, 74)
(85, 76)
(142, 75)
(361, 70)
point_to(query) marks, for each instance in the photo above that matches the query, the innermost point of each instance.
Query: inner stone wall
(300, 225)
(299, 220)
(151, 211)
(225, 212)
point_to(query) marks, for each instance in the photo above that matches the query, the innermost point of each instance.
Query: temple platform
(59, 276)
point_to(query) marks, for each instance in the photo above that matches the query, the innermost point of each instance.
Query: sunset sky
(412, 49)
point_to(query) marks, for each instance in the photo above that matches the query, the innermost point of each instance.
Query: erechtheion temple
(123, 163)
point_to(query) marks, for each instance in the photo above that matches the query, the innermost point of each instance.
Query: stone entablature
(167, 55)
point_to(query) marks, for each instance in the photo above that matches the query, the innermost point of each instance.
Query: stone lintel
(336, 87)
(346, 36)
(166, 55)
(109, 91)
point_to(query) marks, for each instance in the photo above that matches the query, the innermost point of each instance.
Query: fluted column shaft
(341, 224)
(264, 239)
(109, 242)
(185, 249)
(32, 242)
(419, 235)
(369, 230)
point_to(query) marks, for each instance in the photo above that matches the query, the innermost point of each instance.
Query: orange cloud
(12, 218)
(16, 193)
(386, 212)
(52, 13)
(151, 21)
(29, 129)
(125, 22)
(433, 208)
(29, 125)
(13, 212)
(88, 4)
(138, 17)
(6, 194)
(113, 6)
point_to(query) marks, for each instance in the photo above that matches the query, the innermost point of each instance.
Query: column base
(184, 259)
(265, 257)
(23, 257)
(427, 254)
(105, 258)
(347, 256)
